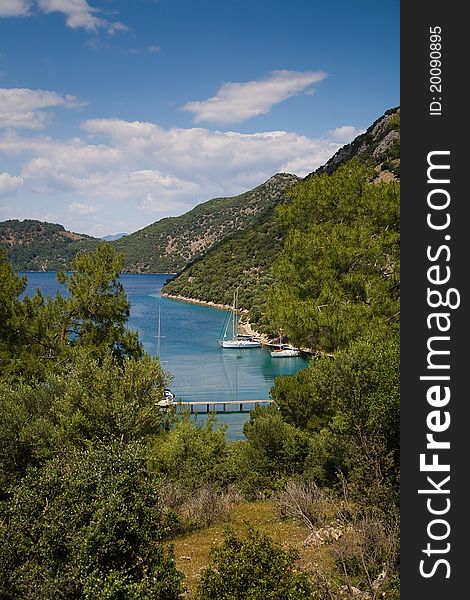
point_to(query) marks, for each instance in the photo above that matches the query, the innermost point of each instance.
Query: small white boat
(237, 340)
(240, 343)
(168, 399)
(285, 350)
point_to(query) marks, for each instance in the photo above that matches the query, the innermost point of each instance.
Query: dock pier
(228, 406)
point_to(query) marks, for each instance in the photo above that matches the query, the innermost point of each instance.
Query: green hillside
(173, 243)
(165, 246)
(246, 259)
(170, 244)
(38, 246)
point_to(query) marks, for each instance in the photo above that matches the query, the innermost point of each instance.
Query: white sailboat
(236, 341)
(284, 350)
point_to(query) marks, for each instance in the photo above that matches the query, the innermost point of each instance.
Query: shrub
(303, 501)
(366, 557)
(93, 400)
(90, 519)
(191, 454)
(253, 568)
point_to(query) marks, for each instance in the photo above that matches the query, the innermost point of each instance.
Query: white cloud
(23, 108)
(237, 102)
(137, 172)
(79, 14)
(69, 166)
(205, 155)
(345, 134)
(9, 184)
(15, 8)
(81, 208)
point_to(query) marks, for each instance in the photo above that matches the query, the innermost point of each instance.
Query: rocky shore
(245, 325)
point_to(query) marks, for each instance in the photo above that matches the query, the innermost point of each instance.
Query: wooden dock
(223, 406)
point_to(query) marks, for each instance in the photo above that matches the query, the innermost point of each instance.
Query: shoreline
(246, 326)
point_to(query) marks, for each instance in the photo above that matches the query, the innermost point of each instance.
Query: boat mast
(158, 334)
(235, 314)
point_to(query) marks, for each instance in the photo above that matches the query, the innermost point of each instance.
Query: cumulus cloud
(237, 102)
(9, 184)
(15, 8)
(70, 166)
(78, 13)
(22, 108)
(344, 134)
(202, 154)
(138, 172)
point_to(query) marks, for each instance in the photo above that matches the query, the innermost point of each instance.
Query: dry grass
(192, 550)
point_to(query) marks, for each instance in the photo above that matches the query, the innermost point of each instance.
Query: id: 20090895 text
(435, 70)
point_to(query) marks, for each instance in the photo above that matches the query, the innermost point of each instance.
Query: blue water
(200, 369)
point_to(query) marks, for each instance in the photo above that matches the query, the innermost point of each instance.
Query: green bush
(351, 407)
(253, 568)
(191, 454)
(89, 520)
(92, 400)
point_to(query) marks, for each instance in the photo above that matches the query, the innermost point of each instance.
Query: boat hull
(236, 344)
(285, 353)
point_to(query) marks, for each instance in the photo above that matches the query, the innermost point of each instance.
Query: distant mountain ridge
(112, 238)
(165, 246)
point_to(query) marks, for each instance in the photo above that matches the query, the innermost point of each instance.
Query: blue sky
(117, 113)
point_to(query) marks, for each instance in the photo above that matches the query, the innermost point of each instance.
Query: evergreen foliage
(39, 246)
(38, 334)
(337, 277)
(88, 462)
(90, 400)
(89, 524)
(192, 455)
(351, 407)
(253, 568)
(97, 305)
(244, 260)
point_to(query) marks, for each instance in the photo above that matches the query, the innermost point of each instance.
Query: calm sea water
(200, 369)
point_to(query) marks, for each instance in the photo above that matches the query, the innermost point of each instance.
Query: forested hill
(165, 246)
(247, 258)
(170, 244)
(39, 246)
